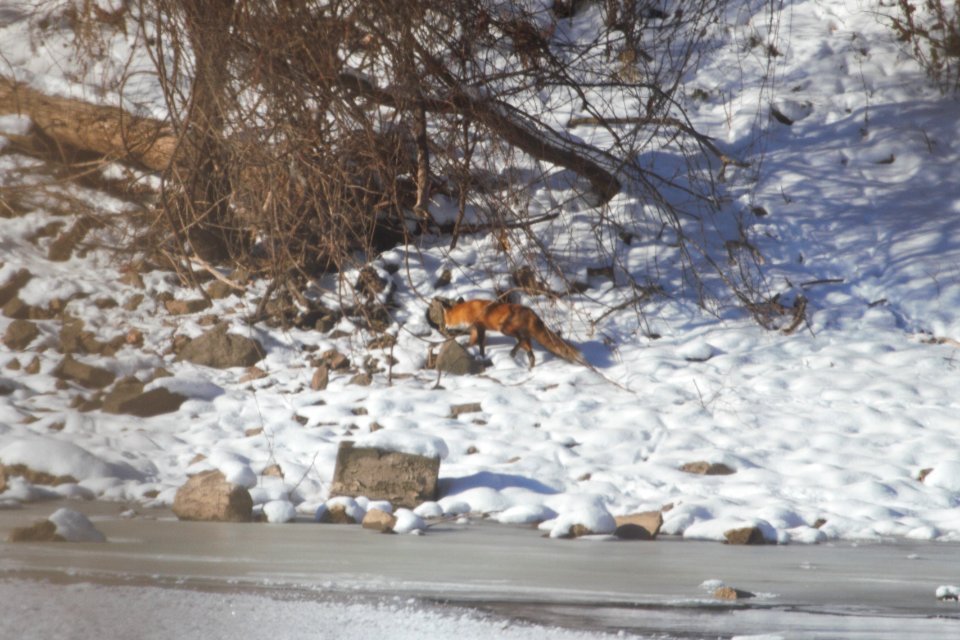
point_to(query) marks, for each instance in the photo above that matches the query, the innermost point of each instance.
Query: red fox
(510, 319)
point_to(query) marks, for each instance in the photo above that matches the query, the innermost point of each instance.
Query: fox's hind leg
(523, 342)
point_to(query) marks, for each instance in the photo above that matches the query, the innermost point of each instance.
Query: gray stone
(404, 479)
(456, 360)
(219, 349)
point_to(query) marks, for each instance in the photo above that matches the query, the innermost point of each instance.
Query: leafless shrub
(311, 135)
(932, 29)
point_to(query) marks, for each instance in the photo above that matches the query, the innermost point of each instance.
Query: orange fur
(514, 320)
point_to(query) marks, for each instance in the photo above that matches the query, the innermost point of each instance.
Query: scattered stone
(454, 359)
(745, 535)
(133, 302)
(386, 341)
(219, 349)
(335, 360)
(729, 593)
(362, 379)
(379, 520)
(33, 367)
(924, 473)
(86, 375)
(639, 526)
(369, 282)
(10, 289)
(273, 471)
(74, 338)
(251, 433)
(458, 410)
(184, 307)
(20, 310)
(252, 373)
(819, 522)
(218, 290)
(14, 365)
(19, 334)
(403, 479)
(704, 468)
(41, 531)
(321, 378)
(133, 278)
(208, 496)
(128, 397)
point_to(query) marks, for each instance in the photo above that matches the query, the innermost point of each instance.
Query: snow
(828, 429)
(73, 526)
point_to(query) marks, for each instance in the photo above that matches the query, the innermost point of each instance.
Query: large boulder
(639, 526)
(208, 496)
(403, 479)
(455, 359)
(219, 349)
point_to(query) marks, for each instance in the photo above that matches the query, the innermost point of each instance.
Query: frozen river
(160, 578)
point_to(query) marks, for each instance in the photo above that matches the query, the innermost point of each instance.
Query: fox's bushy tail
(556, 345)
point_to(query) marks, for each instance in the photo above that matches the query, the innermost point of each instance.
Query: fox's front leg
(477, 336)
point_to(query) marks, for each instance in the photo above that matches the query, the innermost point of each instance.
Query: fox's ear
(460, 300)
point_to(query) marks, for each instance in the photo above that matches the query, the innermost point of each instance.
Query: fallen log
(106, 130)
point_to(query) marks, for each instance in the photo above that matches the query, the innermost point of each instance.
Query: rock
(85, 375)
(208, 496)
(455, 359)
(33, 367)
(362, 379)
(745, 535)
(184, 307)
(19, 334)
(369, 282)
(75, 339)
(219, 349)
(379, 520)
(10, 289)
(279, 511)
(403, 479)
(32, 476)
(707, 468)
(130, 399)
(639, 526)
(729, 593)
(251, 374)
(42, 531)
(321, 378)
(73, 526)
(336, 514)
(335, 360)
(217, 290)
(458, 410)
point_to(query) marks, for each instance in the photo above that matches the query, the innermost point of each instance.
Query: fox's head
(435, 312)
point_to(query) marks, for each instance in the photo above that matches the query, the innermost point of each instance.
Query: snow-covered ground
(827, 429)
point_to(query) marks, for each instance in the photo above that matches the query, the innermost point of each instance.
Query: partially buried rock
(379, 520)
(639, 526)
(86, 375)
(222, 350)
(42, 531)
(729, 593)
(404, 479)
(128, 397)
(704, 468)
(208, 496)
(65, 525)
(456, 360)
(745, 535)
